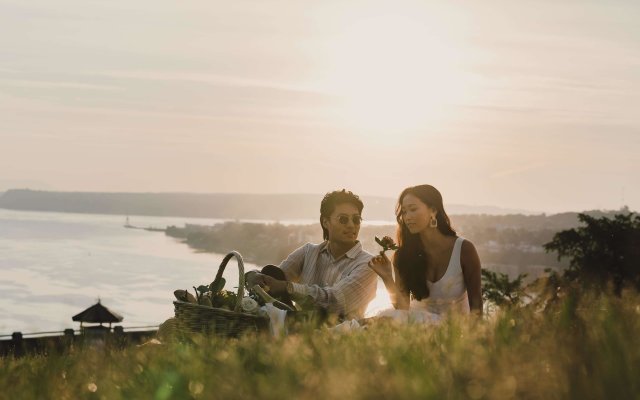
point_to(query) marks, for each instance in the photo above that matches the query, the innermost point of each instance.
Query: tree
(606, 250)
(498, 289)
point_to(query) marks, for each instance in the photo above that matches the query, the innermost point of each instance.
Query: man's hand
(252, 278)
(270, 285)
(276, 286)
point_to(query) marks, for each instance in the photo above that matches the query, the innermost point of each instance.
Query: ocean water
(55, 265)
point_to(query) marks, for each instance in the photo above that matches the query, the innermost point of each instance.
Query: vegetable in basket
(210, 295)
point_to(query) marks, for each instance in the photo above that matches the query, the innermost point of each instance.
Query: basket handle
(221, 268)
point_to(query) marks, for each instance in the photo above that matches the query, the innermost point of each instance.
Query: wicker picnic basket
(195, 318)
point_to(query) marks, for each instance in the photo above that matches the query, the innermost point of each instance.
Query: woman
(436, 272)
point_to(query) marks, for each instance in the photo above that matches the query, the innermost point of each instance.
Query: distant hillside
(511, 244)
(214, 205)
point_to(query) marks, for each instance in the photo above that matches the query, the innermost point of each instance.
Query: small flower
(387, 243)
(92, 387)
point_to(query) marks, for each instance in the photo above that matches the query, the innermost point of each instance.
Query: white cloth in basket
(276, 319)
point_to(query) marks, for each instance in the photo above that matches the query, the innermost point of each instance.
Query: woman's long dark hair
(410, 258)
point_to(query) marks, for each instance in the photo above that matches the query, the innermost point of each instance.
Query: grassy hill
(580, 348)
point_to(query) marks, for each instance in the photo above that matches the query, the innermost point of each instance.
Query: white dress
(447, 295)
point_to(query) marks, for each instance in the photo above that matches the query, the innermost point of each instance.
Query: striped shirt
(343, 286)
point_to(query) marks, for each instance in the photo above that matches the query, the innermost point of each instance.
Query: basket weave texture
(195, 318)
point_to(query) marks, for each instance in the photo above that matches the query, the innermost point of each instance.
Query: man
(334, 274)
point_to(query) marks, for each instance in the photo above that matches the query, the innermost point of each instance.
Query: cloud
(39, 84)
(211, 79)
(518, 170)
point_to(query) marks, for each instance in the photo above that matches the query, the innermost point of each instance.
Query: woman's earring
(433, 222)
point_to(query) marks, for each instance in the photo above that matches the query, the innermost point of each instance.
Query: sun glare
(382, 301)
(393, 74)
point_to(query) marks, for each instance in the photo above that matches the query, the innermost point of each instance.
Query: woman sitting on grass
(436, 272)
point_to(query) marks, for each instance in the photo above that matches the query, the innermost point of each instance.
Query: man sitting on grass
(332, 275)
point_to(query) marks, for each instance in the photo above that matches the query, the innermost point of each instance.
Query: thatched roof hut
(97, 313)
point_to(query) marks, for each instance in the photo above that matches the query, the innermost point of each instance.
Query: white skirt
(415, 316)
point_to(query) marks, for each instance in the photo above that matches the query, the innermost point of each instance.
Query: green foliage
(606, 250)
(224, 298)
(581, 348)
(210, 295)
(498, 289)
(202, 289)
(217, 284)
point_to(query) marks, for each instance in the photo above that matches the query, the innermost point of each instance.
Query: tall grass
(583, 347)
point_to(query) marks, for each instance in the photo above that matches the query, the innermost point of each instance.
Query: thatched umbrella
(97, 313)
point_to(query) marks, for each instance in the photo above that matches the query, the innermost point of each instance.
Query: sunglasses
(344, 219)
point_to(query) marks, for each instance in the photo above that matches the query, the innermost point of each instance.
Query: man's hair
(331, 200)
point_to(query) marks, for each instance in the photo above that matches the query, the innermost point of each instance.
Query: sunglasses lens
(344, 219)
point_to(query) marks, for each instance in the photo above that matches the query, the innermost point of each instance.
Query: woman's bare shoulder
(468, 251)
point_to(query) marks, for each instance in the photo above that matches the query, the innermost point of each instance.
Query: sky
(531, 105)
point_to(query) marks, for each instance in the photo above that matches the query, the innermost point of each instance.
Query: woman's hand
(382, 266)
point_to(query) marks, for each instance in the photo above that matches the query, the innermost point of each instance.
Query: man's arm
(292, 265)
(347, 297)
